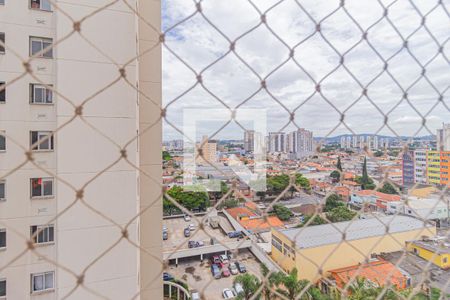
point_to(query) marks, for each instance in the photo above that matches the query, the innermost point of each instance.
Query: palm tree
(361, 289)
(291, 287)
(269, 283)
(250, 284)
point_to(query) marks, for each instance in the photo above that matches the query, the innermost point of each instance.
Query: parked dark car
(165, 235)
(167, 277)
(240, 267)
(235, 234)
(215, 259)
(187, 232)
(215, 271)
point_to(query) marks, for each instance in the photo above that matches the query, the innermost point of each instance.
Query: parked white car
(228, 294)
(191, 227)
(223, 258)
(195, 295)
(238, 288)
(187, 218)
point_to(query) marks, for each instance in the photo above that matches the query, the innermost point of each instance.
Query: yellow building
(434, 167)
(315, 250)
(431, 251)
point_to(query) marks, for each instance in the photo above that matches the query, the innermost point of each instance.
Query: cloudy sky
(262, 52)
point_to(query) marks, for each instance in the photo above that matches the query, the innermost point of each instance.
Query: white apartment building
(36, 200)
(443, 138)
(277, 142)
(249, 140)
(420, 166)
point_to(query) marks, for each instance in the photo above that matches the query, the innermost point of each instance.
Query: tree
(317, 220)
(269, 284)
(217, 195)
(335, 175)
(340, 214)
(361, 289)
(388, 189)
(277, 184)
(250, 284)
(166, 156)
(302, 181)
(338, 164)
(332, 202)
(188, 199)
(378, 153)
(282, 212)
(365, 181)
(291, 286)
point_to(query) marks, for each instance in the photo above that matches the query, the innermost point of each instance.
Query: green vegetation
(365, 181)
(378, 153)
(318, 220)
(335, 175)
(250, 284)
(228, 203)
(388, 189)
(340, 214)
(166, 156)
(277, 184)
(332, 202)
(338, 164)
(188, 199)
(282, 212)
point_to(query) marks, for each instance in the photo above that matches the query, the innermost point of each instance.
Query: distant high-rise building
(209, 151)
(369, 142)
(249, 140)
(443, 138)
(361, 142)
(354, 141)
(343, 142)
(420, 166)
(348, 143)
(277, 142)
(375, 142)
(305, 142)
(408, 167)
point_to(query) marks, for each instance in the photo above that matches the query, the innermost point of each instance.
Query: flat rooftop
(434, 246)
(319, 235)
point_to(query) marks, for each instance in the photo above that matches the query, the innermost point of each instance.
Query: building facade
(38, 202)
(249, 140)
(420, 166)
(305, 248)
(408, 177)
(443, 138)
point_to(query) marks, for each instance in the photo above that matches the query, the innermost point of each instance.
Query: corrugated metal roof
(319, 235)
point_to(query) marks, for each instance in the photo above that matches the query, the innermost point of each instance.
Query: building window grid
(40, 94)
(2, 190)
(45, 234)
(41, 187)
(44, 5)
(39, 44)
(2, 239)
(41, 282)
(2, 92)
(41, 140)
(2, 39)
(2, 288)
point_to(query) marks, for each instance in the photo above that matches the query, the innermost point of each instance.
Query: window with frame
(2, 141)
(2, 238)
(41, 140)
(2, 40)
(41, 187)
(2, 288)
(277, 243)
(41, 5)
(41, 47)
(2, 190)
(41, 282)
(43, 234)
(40, 94)
(2, 92)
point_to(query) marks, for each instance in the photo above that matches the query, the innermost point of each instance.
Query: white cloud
(199, 44)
